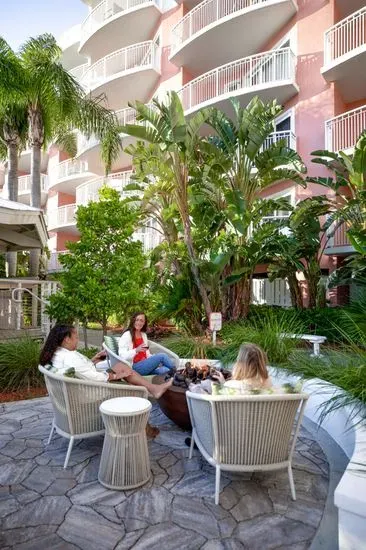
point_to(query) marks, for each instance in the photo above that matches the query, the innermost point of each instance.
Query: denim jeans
(151, 365)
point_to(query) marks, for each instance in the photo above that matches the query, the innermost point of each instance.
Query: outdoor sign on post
(215, 324)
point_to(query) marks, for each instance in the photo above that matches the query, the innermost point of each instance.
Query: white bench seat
(311, 338)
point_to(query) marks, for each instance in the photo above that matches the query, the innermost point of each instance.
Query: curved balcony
(78, 72)
(286, 135)
(69, 42)
(89, 191)
(149, 237)
(269, 75)
(89, 148)
(112, 25)
(24, 160)
(62, 219)
(338, 243)
(345, 56)
(343, 131)
(66, 175)
(25, 188)
(124, 75)
(214, 31)
(54, 265)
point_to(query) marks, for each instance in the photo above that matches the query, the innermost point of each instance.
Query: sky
(21, 19)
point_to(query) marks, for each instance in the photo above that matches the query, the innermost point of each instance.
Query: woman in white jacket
(133, 347)
(60, 352)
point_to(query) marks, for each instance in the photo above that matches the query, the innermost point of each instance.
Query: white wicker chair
(153, 347)
(76, 405)
(246, 432)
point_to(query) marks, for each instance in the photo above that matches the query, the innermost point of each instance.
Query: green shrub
(346, 369)
(325, 321)
(265, 328)
(19, 365)
(186, 346)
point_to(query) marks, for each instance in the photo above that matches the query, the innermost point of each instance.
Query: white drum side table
(125, 462)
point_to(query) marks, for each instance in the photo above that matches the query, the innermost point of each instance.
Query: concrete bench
(311, 338)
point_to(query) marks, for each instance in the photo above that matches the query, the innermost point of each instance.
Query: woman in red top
(133, 347)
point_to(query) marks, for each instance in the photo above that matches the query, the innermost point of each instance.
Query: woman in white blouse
(59, 350)
(133, 347)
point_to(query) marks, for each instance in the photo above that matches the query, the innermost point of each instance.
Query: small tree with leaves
(105, 272)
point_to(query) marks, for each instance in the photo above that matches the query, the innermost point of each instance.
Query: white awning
(22, 227)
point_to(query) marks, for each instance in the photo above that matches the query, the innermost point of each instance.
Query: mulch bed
(19, 395)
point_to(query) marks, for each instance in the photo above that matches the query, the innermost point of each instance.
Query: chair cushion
(112, 343)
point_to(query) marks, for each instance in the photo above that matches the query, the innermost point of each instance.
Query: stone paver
(43, 506)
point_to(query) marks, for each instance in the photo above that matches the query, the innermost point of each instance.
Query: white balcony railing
(345, 37)
(25, 184)
(89, 191)
(338, 237)
(150, 238)
(69, 168)
(287, 135)
(85, 143)
(265, 69)
(124, 116)
(274, 293)
(61, 216)
(207, 13)
(53, 263)
(105, 10)
(342, 131)
(138, 56)
(78, 72)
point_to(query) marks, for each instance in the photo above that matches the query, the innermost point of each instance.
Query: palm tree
(348, 205)
(13, 132)
(301, 249)
(177, 142)
(55, 104)
(251, 163)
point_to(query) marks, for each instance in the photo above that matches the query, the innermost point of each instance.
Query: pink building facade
(308, 54)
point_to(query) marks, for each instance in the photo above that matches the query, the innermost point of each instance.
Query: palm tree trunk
(36, 176)
(193, 260)
(13, 171)
(36, 131)
(35, 255)
(11, 257)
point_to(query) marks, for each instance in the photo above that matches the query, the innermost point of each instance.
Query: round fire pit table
(173, 403)
(124, 463)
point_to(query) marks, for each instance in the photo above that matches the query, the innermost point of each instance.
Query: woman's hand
(218, 376)
(143, 347)
(100, 356)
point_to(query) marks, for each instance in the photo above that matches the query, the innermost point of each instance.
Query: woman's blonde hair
(250, 363)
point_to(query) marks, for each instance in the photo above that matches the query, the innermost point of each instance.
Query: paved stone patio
(43, 506)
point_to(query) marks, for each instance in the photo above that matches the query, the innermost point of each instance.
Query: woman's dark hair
(131, 326)
(55, 338)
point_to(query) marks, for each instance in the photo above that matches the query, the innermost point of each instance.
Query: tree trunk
(193, 260)
(11, 257)
(13, 171)
(312, 275)
(295, 291)
(312, 290)
(241, 301)
(36, 132)
(85, 333)
(36, 176)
